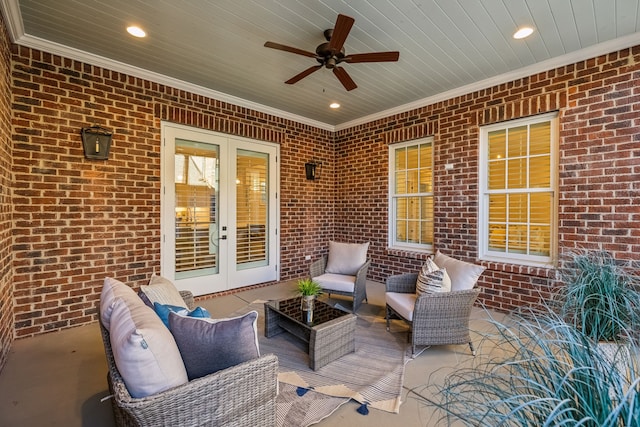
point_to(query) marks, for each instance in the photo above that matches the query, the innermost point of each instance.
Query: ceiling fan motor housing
(326, 57)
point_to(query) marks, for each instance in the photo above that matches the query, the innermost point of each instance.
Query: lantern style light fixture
(312, 170)
(96, 142)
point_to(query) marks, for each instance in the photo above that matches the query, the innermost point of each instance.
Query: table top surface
(292, 308)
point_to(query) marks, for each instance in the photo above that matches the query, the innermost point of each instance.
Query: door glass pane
(196, 210)
(252, 207)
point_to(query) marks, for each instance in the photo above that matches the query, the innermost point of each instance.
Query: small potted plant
(308, 290)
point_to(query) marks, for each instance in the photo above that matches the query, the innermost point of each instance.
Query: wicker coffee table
(330, 336)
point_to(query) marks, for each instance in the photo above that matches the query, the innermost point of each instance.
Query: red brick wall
(77, 220)
(6, 272)
(599, 194)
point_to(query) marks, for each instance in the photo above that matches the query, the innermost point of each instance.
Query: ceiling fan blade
(295, 50)
(340, 33)
(372, 57)
(303, 74)
(344, 78)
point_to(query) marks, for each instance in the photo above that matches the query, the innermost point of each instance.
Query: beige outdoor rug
(372, 375)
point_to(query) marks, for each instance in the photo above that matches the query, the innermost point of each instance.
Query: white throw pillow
(163, 291)
(144, 350)
(464, 275)
(346, 258)
(113, 289)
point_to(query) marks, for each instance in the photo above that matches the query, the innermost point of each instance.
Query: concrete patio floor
(59, 379)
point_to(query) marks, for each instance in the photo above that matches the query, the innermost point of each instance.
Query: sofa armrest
(446, 313)
(187, 296)
(243, 395)
(361, 275)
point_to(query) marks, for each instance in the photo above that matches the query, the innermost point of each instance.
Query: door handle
(223, 237)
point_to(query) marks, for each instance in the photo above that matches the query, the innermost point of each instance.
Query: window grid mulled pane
(413, 197)
(518, 190)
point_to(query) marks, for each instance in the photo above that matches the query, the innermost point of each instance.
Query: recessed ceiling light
(334, 105)
(523, 32)
(136, 31)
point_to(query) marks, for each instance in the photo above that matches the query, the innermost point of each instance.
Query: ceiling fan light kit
(331, 53)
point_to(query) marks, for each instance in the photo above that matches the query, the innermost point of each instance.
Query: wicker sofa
(242, 395)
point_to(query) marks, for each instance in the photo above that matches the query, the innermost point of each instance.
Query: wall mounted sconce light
(96, 142)
(312, 170)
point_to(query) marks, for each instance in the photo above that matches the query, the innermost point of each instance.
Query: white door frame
(228, 277)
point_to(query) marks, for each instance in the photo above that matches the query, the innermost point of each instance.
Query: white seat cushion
(336, 282)
(401, 303)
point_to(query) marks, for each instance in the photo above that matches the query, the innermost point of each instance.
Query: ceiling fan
(331, 53)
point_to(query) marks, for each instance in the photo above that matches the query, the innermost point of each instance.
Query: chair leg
(473, 350)
(387, 317)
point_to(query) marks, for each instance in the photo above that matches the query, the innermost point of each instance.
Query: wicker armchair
(243, 395)
(437, 318)
(359, 293)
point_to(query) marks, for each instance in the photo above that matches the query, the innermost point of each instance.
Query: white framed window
(411, 195)
(518, 191)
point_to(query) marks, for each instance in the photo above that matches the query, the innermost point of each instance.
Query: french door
(219, 214)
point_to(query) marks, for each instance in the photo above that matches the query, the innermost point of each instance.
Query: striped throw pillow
(432, 279)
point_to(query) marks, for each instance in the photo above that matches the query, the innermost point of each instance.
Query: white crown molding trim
(99, 61)
(13, 18)
(549, 64)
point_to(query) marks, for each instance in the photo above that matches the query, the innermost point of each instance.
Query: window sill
(409, 253)
(546, 271)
